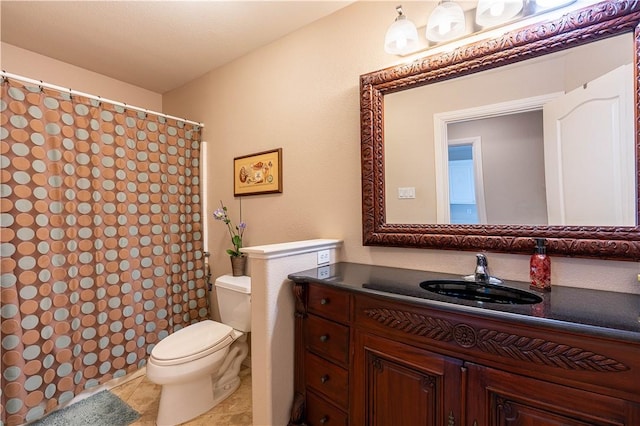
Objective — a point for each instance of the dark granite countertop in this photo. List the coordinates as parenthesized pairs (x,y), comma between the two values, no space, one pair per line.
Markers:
(603,313)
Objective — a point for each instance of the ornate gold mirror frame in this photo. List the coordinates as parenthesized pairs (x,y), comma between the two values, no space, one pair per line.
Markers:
(586,25)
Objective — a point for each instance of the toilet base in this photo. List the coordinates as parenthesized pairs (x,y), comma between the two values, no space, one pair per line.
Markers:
(181,402)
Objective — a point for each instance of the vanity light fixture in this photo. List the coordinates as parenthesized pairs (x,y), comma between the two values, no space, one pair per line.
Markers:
(446,22)
(546,4)
(402,35)
(495,12)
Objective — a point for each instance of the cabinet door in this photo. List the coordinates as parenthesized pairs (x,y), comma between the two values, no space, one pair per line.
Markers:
(397,384)
(499,398)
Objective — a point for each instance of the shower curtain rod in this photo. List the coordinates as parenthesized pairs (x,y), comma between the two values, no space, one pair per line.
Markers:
(40,83)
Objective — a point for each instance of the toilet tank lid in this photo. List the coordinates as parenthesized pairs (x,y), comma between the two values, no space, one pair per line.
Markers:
(240,284)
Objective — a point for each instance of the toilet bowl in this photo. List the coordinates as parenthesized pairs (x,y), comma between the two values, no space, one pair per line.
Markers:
(198,365)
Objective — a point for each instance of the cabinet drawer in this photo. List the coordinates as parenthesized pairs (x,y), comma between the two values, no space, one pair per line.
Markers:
(328,302)
(322,413)
(327,378)
(328,339)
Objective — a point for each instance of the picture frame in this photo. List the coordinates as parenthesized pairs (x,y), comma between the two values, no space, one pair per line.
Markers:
(259,173)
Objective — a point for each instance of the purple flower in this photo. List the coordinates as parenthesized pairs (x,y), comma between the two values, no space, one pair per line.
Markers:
(234,232)
(219,214)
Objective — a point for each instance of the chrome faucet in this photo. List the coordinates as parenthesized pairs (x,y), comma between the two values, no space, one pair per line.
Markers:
(481,274)
(482,269)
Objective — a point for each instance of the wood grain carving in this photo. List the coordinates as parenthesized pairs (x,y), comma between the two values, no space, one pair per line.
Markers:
(522,348)
(576,28)
(299,292)
(428,383)
(298,410)
(505,411)
(376,363)
(540,351)
(412,323)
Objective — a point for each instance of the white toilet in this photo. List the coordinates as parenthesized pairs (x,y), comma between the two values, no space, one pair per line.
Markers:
(198,365)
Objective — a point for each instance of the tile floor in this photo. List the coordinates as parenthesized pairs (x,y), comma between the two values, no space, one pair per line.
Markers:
(144,396)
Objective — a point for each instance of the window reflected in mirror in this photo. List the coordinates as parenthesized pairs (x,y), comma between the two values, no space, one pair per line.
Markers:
(464,187)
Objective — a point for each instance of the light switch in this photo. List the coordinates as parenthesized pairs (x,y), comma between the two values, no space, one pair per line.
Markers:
(406,192)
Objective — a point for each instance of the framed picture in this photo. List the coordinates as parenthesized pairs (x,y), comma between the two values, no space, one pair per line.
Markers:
(259,173)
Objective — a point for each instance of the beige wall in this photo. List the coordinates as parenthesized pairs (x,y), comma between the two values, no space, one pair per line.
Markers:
(25,63)
(301,93)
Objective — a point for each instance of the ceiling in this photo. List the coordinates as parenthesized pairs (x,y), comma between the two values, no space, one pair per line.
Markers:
(157,45)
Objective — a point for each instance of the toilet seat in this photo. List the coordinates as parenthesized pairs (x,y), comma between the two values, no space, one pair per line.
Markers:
(192,342)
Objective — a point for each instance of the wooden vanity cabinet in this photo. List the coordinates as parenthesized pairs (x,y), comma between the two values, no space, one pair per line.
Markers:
(322,356)
(407,364)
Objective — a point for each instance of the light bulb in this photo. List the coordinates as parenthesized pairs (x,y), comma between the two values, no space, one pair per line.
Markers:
(444,27)
(497,8)
(490,13)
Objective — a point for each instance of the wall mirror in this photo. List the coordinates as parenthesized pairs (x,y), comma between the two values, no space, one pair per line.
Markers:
(510,151)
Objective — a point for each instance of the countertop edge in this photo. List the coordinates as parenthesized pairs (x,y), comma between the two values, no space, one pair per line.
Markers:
(556,324)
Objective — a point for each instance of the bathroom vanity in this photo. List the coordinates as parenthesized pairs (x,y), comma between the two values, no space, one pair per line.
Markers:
(372,347)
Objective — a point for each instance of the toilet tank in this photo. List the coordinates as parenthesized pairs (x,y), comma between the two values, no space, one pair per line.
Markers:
(234,301)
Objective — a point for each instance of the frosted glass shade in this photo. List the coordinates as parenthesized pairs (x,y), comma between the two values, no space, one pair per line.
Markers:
(495,12)
(401,37)
(446,22)
(546,4)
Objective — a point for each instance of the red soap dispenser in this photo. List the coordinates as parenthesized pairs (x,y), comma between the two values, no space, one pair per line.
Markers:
(540,267)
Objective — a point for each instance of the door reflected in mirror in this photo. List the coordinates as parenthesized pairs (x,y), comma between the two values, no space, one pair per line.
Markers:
(548,141)
(466,181)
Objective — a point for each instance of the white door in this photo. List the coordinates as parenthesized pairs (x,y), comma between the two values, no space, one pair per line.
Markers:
(462,188)
(462,192)
(589,153)
(460,182)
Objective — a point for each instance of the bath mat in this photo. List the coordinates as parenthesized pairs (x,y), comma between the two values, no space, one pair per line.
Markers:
(101,409)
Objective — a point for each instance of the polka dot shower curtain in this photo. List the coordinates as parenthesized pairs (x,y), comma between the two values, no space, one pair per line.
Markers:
(100,244)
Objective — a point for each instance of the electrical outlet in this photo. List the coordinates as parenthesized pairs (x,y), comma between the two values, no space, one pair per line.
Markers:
(323,257)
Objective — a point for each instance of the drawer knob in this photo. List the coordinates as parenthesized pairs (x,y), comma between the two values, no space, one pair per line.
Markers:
(324,378)
(324,301)
(324,420)
(324,338)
